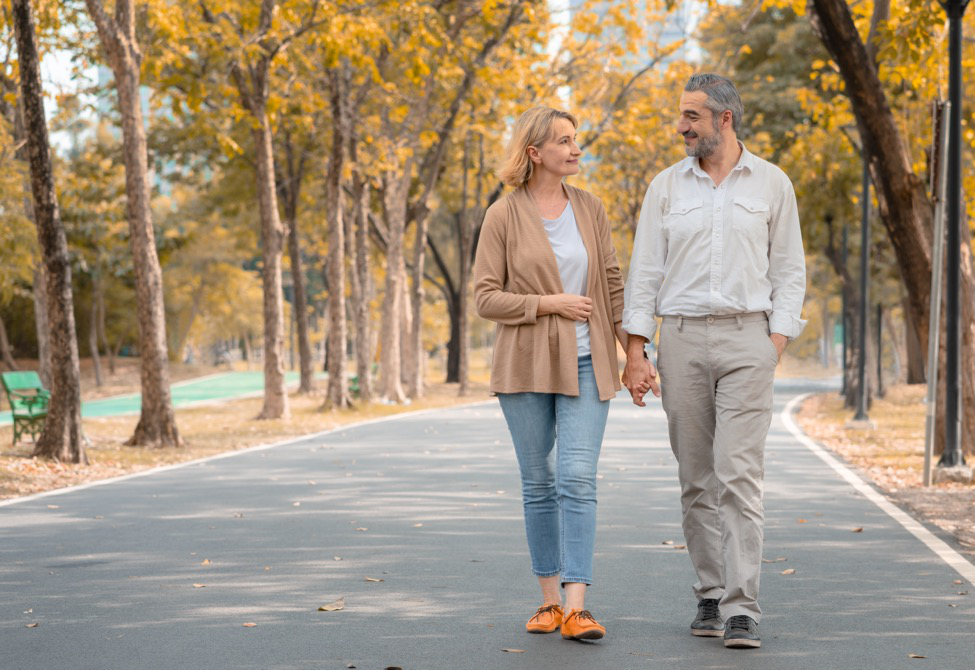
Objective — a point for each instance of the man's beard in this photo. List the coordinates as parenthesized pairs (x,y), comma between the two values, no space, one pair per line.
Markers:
(705,146)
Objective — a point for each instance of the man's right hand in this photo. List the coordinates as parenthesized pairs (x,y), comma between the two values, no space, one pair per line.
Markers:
(569,305)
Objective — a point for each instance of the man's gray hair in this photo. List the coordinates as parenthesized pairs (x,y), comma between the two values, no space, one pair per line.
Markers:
(722,95)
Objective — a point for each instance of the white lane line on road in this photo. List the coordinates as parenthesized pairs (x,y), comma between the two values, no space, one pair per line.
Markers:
(932,541)
(231,454)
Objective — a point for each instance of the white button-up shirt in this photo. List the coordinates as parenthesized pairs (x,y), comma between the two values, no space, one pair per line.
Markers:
(702,249)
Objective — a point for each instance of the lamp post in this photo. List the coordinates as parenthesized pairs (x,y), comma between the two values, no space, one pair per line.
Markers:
(844,319)
(860,419)
(952,455)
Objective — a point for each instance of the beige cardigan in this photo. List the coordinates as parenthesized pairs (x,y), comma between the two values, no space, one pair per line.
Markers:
(515,266)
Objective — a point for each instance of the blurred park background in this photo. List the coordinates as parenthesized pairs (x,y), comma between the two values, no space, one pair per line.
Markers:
(297,186)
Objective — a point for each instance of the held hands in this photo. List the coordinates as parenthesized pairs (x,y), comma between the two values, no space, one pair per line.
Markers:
(639,377)
(574,307)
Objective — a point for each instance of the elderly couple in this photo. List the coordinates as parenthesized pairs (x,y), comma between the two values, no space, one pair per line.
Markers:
(718,257)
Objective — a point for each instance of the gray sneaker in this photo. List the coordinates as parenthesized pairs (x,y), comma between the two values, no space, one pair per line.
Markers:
(708,622)
(742,633)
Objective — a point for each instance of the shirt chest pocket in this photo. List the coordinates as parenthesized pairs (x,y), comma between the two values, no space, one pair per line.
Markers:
(750,218)
(683,220)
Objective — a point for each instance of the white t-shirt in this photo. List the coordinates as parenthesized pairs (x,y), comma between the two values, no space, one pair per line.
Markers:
(573,260)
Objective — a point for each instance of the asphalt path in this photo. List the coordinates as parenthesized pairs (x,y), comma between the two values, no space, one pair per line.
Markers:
(416,523)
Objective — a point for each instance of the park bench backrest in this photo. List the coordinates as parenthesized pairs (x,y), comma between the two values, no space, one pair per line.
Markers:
(19,381)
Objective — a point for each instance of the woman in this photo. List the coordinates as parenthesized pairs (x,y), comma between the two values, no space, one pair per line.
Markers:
(546,272)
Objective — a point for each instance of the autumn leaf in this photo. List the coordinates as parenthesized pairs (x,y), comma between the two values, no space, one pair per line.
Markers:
(54,507)
(916,656)
(514,651)
(418,525)
(858,530)
(199,586)
(333,607)
(802,521)
(33,625)
(788,571)
(667,542)
(374,579)
(336,558)
(296,504)
(249,624)
(362,529)
(206,561)
(680,546)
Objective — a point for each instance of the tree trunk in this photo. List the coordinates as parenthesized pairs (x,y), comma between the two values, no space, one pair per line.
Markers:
(338,387)
(417,360)
(916,356)
(290,189)
(272,236)
(96,360)
(8,357)
(157,423)
(109,353)
(363,329)
(390,364)
(61,438)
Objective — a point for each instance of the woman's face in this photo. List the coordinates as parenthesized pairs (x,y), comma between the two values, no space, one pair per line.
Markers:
(560,153)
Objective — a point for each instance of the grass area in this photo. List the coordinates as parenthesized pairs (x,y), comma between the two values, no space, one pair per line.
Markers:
(207,430)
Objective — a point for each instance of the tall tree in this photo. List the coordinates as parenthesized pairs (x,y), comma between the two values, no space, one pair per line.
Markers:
(61,438)
(157,422)
(250,72)
(904,205)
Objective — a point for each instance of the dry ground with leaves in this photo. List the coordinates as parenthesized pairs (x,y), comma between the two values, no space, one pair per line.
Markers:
(207,430)
(892,456)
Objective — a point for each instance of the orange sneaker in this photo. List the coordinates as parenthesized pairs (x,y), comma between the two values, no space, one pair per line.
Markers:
(580,625)
(547,618)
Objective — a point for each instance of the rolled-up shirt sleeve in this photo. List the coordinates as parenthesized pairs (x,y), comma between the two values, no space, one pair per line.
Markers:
(490,275)
(646,271)
(787,266)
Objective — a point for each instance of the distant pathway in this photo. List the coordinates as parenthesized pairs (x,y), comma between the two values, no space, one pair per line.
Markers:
(215,387)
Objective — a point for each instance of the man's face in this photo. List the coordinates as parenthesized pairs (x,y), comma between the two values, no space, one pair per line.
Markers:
(698,124)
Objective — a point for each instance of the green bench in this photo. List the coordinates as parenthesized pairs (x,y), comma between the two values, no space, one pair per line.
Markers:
(28,402)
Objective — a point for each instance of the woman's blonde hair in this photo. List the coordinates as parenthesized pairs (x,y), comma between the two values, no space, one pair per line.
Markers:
(532,129)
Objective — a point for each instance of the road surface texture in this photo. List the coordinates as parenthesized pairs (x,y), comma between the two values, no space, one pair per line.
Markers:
(416,523)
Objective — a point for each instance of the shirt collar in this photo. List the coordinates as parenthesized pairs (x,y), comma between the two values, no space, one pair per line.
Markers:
(745,161)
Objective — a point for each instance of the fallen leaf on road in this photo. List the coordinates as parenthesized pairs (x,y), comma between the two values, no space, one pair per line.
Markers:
(952,605)
(267,567)
(788,571)
(312,482)
(802,521)
(362,529)
(238,515)
(418,525)
(54,507)
(667,542)
(958,581)
(249,624)
(333,607)
(916,656)
(780,559)
(206,561)
(296,504)
(350,665)
(32,625)
(199,586)
(514,651)
(374,579)
(336,558)
(963,593)
(858,530)
(680,546)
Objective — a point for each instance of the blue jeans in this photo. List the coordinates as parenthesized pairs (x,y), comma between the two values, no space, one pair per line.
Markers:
(558,486)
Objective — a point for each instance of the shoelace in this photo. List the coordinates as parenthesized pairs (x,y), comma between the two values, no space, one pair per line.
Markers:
(710,609)
(584,614)
(740,621)
(544,609)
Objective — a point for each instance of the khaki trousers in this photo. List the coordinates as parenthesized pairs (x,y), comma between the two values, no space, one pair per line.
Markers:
(716,382)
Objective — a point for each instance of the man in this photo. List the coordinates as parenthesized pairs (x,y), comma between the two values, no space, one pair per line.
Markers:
(718,255)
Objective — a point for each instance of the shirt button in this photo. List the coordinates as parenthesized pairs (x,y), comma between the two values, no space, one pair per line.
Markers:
(717,209)
(710,319)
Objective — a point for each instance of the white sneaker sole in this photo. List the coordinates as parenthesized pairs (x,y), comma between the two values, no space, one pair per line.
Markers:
(743,644)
